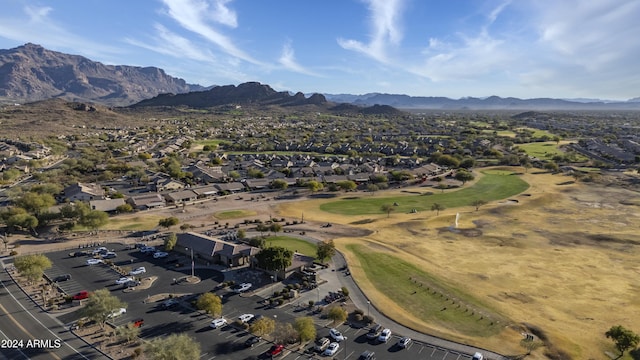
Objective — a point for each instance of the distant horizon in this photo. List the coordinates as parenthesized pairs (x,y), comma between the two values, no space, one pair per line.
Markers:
(569,49)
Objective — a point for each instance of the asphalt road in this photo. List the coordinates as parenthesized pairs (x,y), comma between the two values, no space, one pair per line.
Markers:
(27,332)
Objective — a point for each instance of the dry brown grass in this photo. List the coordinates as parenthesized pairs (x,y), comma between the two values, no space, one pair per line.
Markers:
(563,259)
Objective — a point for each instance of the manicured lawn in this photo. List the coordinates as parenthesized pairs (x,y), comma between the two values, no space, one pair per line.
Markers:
(494,185)
(146,222)
(232,214)
(541,150)
(293,244)
(429,299)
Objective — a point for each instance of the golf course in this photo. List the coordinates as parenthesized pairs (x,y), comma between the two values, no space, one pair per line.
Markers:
(532,252)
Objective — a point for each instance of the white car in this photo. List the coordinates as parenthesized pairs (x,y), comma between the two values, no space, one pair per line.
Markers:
(117,312)
(337,335)
(242,287)
(477,356)
(138,271)
(160,254)
(123,280)
(245,317)
(94,261)
(216,323)
(99,250)
(404,342)
(332,349)
(147,249)
(385,335)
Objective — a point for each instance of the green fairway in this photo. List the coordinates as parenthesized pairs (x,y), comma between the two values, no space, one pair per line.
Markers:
(494,185)
(541,150)
(429,299)
(293,244)
(232,214)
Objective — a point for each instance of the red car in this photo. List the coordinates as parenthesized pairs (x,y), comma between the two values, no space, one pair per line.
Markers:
(138,323)
(81,295)
(275,350)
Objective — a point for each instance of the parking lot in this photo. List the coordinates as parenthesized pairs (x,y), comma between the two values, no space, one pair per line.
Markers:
(222,343)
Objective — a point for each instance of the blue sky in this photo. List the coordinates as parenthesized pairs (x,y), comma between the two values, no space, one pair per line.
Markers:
(520,48)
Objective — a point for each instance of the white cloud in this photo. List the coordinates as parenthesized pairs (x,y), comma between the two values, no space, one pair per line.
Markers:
(172,44)
(38,27)
(288,60)
(386,29)
(193,15)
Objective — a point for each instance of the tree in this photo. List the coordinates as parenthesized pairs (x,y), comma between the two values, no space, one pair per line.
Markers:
(552,167)
(263,326)
(373,188)
(168,222)
(623,338)
(314,186)
(242,233)
(279,184)
(32,266)
(127,332)
(34,203)
(442,186)
(325,250)
(347,185)
(388,208)
(173,347)
(210,303)
(306,328)
(124,208)
(94,219)
(285,333)
(337,314)
(275,228)
(274,258)
(170,241)
(100,305)
(478,203)
(437,207)
(464,176)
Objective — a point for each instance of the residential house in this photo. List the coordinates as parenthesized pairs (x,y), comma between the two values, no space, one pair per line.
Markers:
(83,192)
(180,197)
(146,201)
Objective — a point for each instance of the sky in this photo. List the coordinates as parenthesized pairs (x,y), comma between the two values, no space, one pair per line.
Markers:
(453,48)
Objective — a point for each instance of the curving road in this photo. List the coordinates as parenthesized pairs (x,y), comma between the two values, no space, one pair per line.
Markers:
(27,332)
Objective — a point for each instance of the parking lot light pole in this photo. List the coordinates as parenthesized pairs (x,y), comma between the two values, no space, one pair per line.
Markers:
(192,263)
(368,305)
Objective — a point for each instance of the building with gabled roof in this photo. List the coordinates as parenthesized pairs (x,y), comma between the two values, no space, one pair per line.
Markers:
(215,250)
(83,192)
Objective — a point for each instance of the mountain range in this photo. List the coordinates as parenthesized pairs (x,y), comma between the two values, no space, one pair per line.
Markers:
(31,73)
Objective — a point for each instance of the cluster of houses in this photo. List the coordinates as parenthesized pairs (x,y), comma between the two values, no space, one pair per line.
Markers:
(16,153)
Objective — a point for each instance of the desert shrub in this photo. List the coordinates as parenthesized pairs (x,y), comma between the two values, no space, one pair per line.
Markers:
(358,312)
(368,319)
(13,253)
(357,317)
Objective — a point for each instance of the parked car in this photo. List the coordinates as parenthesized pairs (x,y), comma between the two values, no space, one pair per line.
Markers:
(123,280)
(81,295)
(385,335)
(275,350)
(404,342)
(160,254)
(332,349)
(60,278)
(367,355)
(147,249)
(138,271)
(242,287)
(216,323)
(138,322)
(321,344)
(477,356)
(245,318)
(79,253)
(99,250)
(255,318)
(336,335)
(117,312)
(252,341)
(94,261)
(132,283)
(374,332)
(109,255)
(169,303)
